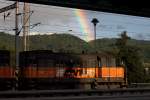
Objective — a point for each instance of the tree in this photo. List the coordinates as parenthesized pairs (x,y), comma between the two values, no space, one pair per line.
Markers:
(131,57)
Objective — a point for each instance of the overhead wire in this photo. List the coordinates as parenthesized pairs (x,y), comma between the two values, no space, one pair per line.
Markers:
(102,30)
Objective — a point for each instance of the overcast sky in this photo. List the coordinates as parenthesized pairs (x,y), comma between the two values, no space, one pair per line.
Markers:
(62,20)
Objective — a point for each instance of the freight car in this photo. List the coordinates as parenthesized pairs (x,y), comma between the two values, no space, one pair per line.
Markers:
(43,69)
(7,77)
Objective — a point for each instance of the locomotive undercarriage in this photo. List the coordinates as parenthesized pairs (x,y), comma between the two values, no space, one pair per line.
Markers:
(7,83)
(72,83)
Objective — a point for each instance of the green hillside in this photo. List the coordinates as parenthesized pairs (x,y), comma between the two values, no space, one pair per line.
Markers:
(58,42)
(105,45)
(6,41)
(70,43)
(108,45)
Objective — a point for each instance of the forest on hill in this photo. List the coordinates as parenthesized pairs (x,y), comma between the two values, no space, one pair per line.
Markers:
(70,43)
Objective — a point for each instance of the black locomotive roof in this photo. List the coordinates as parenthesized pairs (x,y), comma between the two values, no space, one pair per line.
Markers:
(36,51)
(46,53)
(4,51)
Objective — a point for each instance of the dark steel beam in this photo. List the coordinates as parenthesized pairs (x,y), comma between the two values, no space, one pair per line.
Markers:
(128,7)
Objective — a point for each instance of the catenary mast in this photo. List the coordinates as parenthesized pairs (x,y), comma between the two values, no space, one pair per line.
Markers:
(26,22)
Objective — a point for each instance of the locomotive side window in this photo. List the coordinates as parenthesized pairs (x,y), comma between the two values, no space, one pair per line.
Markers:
(50,63)
(4,60)
(45,63)
(103,61)
(70,63)
(113,62)
(84,63)
(110,62)
(31,61)
(91,62)
(99,61)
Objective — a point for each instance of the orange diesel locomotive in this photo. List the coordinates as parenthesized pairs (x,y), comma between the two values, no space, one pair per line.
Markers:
(7,77)
(43,69)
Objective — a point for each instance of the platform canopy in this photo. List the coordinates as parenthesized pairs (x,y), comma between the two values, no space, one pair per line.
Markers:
(127,7)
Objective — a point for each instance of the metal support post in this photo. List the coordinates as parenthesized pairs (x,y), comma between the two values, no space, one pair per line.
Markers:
(16,45)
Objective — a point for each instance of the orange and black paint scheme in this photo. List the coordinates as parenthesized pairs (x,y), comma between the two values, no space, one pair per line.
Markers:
(7,77)
(44,69)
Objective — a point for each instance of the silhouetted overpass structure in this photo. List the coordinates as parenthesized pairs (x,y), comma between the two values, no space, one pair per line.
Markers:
(128,7)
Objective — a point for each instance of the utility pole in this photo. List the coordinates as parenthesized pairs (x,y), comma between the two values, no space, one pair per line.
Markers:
(16,44)
(26,21)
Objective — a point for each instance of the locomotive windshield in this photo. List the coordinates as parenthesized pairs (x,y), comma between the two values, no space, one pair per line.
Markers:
(4,58)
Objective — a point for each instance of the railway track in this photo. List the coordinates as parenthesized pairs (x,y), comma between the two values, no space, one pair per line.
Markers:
(74,93)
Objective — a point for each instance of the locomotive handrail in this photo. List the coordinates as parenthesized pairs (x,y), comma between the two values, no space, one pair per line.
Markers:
(53,93)
(140,84)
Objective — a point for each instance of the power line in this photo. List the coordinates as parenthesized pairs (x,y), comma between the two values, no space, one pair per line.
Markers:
(110,30)
(102,30)
(67,26)
(84,34)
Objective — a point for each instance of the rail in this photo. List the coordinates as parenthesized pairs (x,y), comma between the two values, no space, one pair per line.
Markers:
(62,93)
(140,85)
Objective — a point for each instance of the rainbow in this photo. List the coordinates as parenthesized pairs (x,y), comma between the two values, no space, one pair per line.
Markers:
(84,24)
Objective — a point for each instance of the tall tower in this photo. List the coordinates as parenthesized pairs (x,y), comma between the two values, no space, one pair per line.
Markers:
(26,22)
